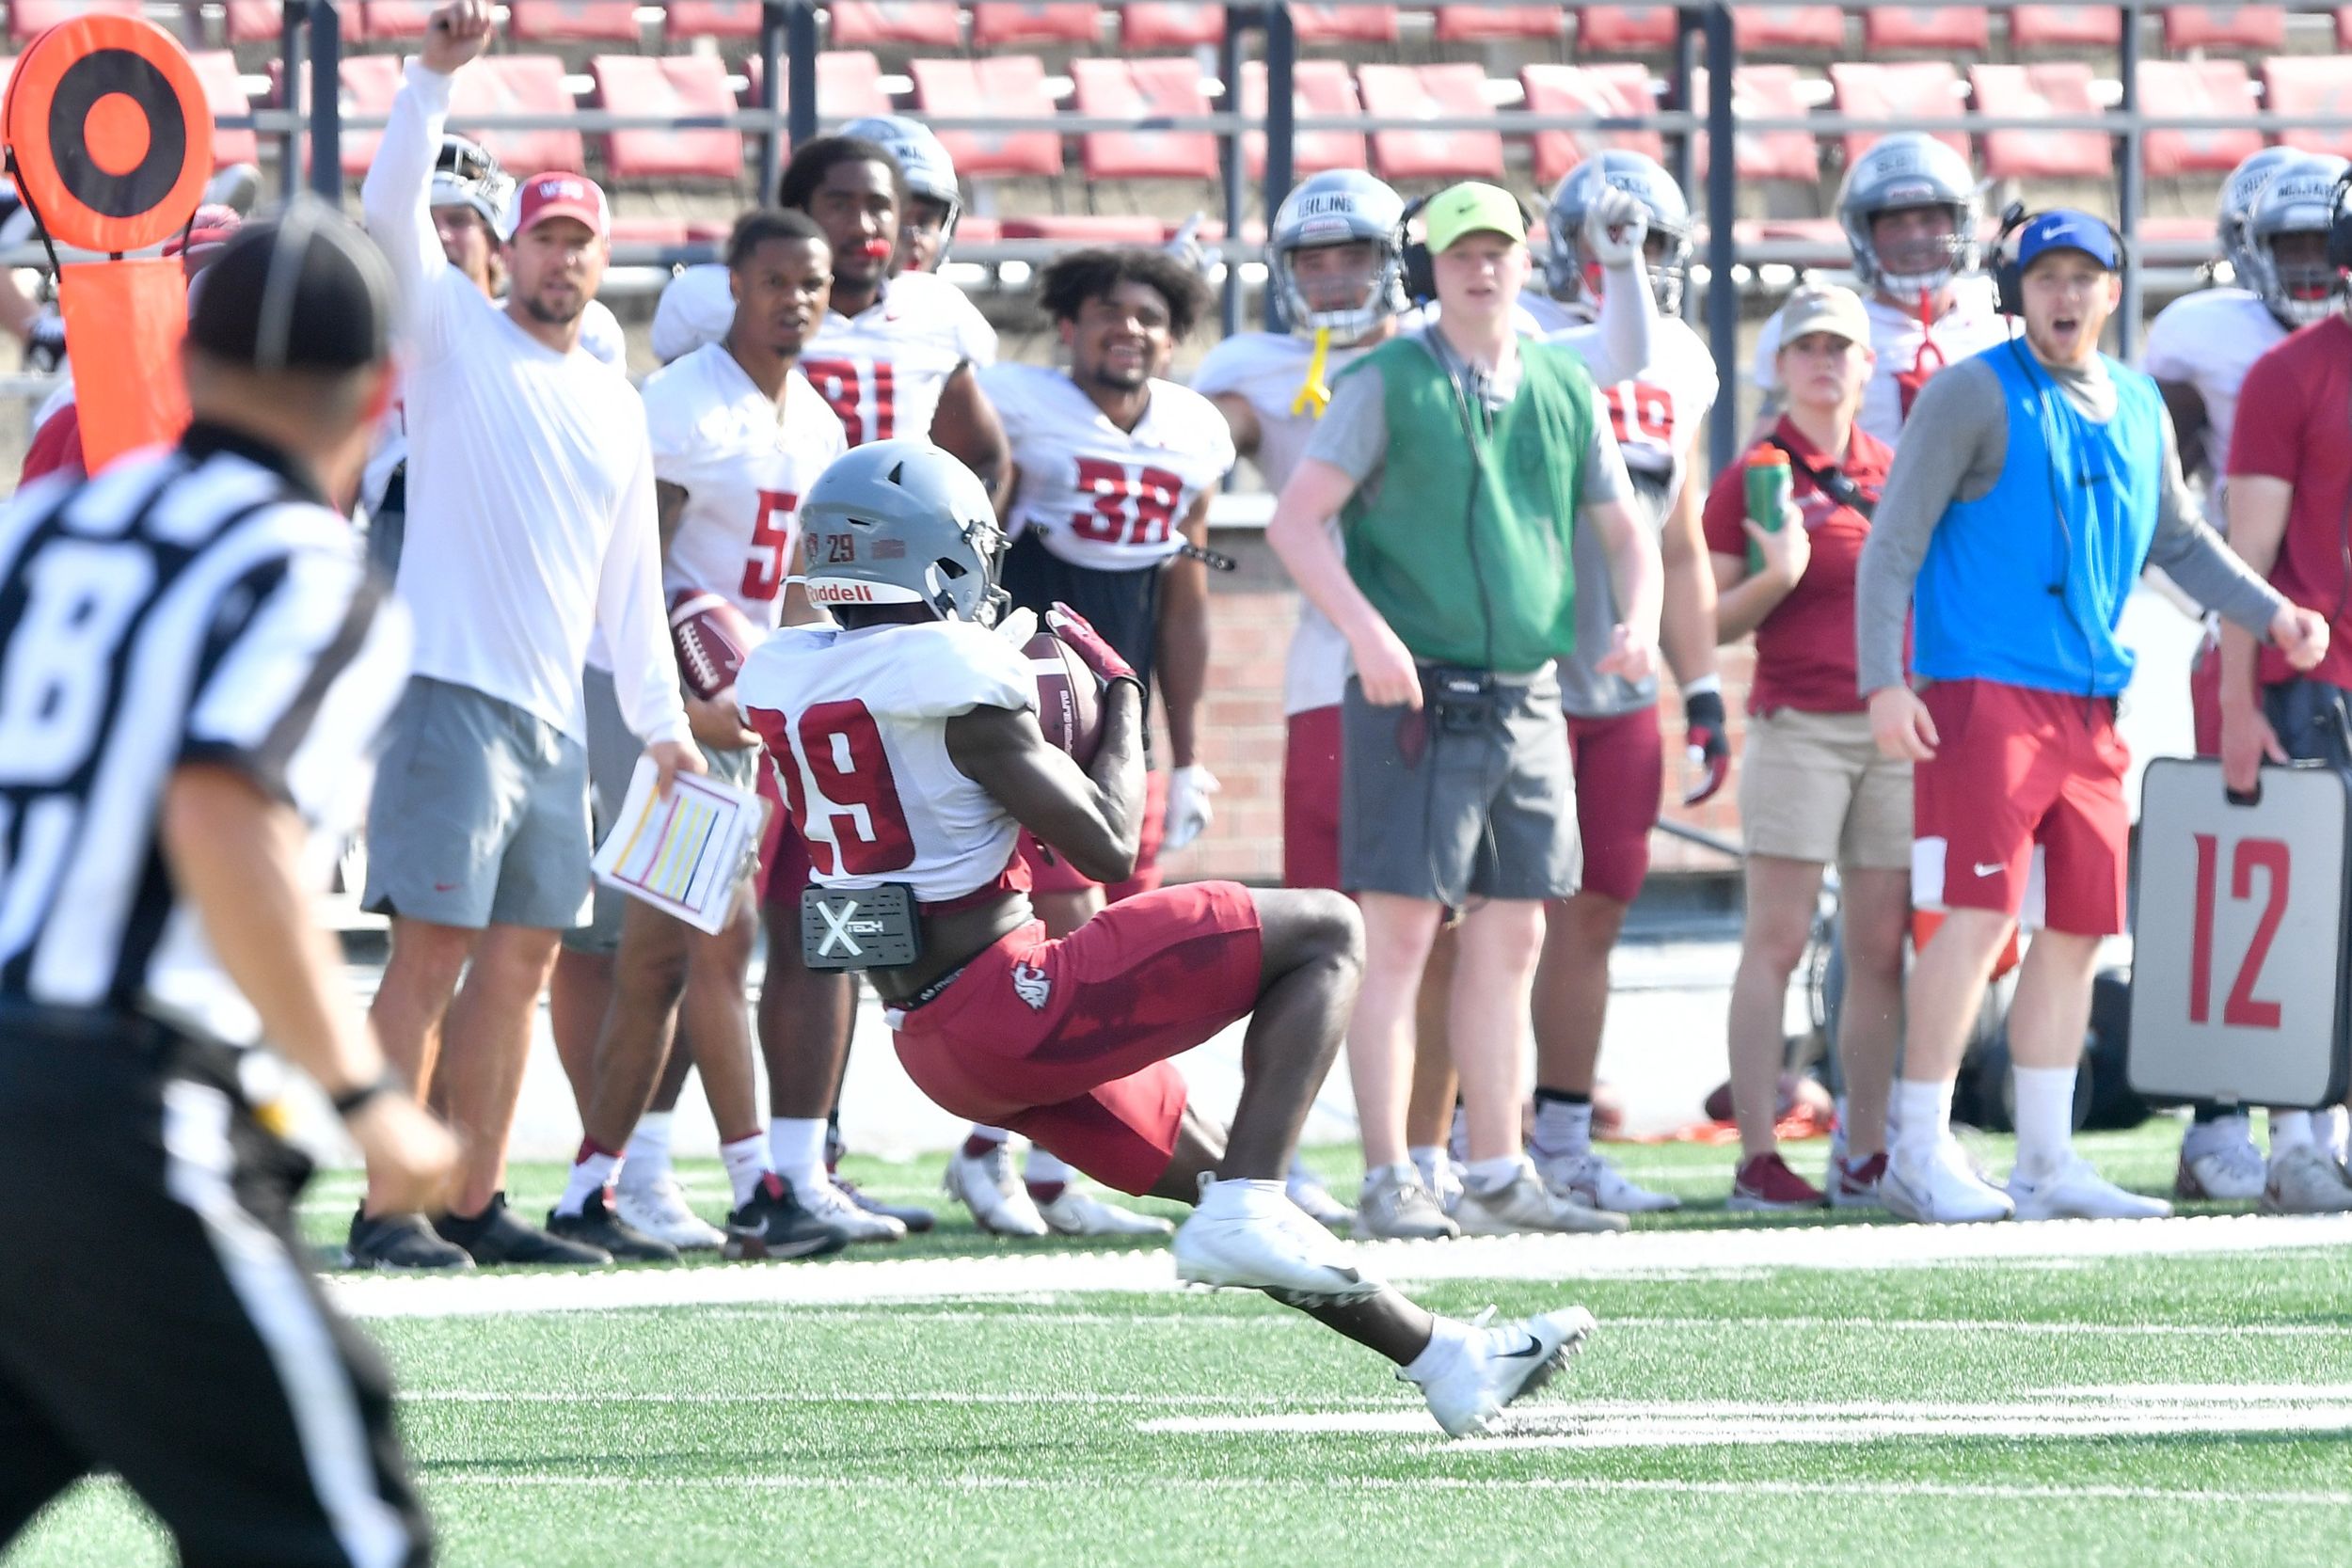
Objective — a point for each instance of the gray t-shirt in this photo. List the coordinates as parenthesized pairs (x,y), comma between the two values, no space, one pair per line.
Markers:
(1967,411)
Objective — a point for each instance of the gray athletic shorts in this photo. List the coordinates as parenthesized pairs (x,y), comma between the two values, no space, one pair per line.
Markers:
(1467,797)
(613,753)
(480,816)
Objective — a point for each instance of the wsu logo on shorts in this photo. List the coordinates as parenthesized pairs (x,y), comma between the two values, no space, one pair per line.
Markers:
(1030,984)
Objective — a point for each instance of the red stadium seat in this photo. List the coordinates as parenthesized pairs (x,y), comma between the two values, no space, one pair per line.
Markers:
(1960,29)
(1317,87)
(257,20)
(1618,88)
(1171,26)
(675,86)
(2318,85)
(563,21)
(711,18)
(395,18)
(849,85)
(2249,27)
(1624,29)
(1484,24)
(1895,91)
(518,84)
(2065,28)
(2025,91)
(1765,91)
(1143,89)
(924,23)
(217,70)
(29,18)
(998,23)
(1781,29)
(2205,89)
(1344,23)
(1009,85)
(650,230)
(1405,93)
(1085,229)
(368,84)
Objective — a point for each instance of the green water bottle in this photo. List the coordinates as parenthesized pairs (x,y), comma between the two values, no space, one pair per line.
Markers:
(1771,496)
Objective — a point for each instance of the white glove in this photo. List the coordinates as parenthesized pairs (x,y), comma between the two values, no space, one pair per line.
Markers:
(1185,246)
(1188,810)
(1615,226)
(1017,627)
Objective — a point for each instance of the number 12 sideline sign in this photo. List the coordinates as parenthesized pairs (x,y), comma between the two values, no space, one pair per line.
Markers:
(2238,984)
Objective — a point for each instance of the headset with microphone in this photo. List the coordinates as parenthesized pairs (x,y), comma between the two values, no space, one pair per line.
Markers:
(1419,274)
(2009,278)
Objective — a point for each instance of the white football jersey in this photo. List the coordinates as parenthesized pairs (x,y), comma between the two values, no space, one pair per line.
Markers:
(1654,414)
(855,724)
(881,369)
(1099,495)
(2210,339)
(1969,328)
(744,464)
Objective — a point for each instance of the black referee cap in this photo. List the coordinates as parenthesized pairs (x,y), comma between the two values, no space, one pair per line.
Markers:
(305,291)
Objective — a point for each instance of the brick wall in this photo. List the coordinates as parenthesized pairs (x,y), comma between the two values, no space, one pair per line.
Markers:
(1252,610)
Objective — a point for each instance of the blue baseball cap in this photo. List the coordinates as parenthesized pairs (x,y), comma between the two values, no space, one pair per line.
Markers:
(2065,228)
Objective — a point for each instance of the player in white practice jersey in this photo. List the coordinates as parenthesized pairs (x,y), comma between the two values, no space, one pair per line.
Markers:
(908,738)
(2275,209)
(1909,212)
(927,220)
(1114,468)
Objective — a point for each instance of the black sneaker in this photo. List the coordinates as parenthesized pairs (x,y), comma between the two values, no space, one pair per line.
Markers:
(398,1243)
(773,1225)
(916,1220)
(597,1225)
(496,1236)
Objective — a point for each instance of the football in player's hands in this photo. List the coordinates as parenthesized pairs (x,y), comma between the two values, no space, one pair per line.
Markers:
(713,639)
(1069,697)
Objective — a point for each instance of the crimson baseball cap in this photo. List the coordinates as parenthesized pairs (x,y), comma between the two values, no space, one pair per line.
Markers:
(562,196)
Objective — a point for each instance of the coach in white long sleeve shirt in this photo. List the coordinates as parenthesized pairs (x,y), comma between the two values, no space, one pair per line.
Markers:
(531,524)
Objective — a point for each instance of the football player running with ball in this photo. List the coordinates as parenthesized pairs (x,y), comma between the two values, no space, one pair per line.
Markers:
(908,740)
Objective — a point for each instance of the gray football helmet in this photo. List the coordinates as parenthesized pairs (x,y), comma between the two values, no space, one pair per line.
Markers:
(1908,168)
(903,522)
(1566,265)
(2238,200)
(922,161)
(467,174)
(1340,206)
(2298,198)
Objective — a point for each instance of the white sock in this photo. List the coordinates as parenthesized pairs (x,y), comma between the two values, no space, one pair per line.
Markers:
(1374,1173)
(1489,1176)
(1042,1167)
(2046,1117)
(2290,1129)
(746,1160)
(798,1144)
(2332,1127)
(1425,1158)
(591,1174)
(1300,1173)
(1922,1117)
(1446,1337)
(1563,1131)
(646,1159)
(1241,1195)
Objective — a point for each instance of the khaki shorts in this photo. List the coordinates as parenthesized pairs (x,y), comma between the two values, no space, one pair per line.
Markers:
(1814,787)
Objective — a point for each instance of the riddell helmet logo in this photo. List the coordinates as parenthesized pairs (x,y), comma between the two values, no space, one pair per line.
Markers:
(840,592)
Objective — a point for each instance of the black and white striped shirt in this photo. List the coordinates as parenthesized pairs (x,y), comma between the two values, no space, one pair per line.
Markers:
(199,606)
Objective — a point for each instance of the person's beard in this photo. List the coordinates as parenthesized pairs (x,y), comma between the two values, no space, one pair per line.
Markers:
(546,316)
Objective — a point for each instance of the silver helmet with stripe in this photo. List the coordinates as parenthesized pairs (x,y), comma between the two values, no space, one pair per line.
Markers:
(1569,269)
(903,522)
(1908,170)
(1340,206)
(2299,198)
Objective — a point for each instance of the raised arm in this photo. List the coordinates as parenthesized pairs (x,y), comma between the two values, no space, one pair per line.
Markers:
(396,195)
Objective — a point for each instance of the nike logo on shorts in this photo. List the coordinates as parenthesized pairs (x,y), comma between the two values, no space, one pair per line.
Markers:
(1988,868)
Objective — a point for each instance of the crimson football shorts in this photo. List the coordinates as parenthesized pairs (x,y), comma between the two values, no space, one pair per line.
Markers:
(1068,1042)
(1310,798)
(1620,766)
(2017,771)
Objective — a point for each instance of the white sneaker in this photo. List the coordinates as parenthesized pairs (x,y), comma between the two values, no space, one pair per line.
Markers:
(1525,1204)
(1491,1367)
(2077,1191)
(1000,1204)
(2304,1180)
(1079,1213)
(2219,1168)
(1251,1236)
(1395,1207)
(1321,1206)
(658,1208)
(834,1207)
(1597,1184)
(1941,1189)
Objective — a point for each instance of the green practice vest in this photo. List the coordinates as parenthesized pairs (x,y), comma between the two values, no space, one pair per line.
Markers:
(1464,549)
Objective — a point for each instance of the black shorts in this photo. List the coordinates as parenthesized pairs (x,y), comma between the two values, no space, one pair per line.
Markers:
(159,1320)
(1123,606)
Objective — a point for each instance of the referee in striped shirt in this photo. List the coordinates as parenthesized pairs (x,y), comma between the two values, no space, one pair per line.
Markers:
(193,667)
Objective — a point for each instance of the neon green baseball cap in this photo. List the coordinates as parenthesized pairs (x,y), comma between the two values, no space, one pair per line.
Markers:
(1470,208)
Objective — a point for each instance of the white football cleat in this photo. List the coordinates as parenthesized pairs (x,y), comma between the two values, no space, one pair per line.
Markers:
(1596,1182)
(658,1209)
(2221,1169)
(1491,1366)
(1393,1206)
(1316,1199)
(2077,1191)
(2304,1180)
(1525,1205)
(829,1203)
(1248,1235)
(1079,1213)
(1000,1204)
(1941,1189)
